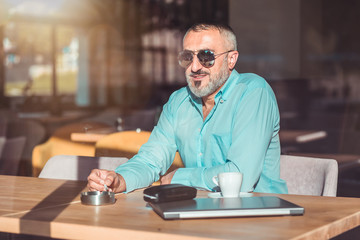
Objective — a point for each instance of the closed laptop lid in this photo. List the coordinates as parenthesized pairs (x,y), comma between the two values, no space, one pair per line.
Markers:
(226,207)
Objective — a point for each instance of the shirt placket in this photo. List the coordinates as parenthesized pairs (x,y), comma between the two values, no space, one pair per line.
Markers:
(202,131)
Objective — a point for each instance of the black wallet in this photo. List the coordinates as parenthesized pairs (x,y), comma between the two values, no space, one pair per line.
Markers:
(169,193)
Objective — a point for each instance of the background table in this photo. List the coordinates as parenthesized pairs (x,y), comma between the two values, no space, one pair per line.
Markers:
(52,208)
(300,136)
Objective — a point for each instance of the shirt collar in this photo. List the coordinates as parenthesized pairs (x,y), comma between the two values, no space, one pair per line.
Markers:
(226,90)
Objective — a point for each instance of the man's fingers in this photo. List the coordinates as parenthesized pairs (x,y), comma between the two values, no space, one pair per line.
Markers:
(93,186)
(166,179)
(109,180)
(95,176)
(99,177)
(96,180)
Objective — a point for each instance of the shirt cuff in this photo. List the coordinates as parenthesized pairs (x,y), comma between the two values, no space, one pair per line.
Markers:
(129,180)
(190,177)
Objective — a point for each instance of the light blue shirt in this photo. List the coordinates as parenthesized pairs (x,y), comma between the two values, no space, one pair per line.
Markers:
(239,134)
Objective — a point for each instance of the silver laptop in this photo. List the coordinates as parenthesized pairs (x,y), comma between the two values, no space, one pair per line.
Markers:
(226,207)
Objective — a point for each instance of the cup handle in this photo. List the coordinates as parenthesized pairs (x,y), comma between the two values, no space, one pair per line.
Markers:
(215,180)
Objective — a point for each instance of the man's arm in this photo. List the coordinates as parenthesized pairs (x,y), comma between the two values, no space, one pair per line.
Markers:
(155,156)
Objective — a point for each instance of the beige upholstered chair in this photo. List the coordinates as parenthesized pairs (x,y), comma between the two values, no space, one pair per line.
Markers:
(71,167)
(309,175)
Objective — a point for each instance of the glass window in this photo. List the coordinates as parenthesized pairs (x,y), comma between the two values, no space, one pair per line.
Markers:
(27,59)
(67,60)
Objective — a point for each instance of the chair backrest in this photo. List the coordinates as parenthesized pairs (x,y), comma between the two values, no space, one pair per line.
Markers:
(121,144)
(71,167)
(309,175)
(35,134)
(10,157)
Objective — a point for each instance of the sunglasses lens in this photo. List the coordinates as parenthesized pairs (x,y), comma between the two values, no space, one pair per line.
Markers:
(206,58)
(185,58)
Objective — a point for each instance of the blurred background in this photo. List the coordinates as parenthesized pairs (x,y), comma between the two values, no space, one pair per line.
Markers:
(115,62)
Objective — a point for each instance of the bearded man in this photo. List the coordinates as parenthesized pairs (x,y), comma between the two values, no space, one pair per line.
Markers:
(223,121)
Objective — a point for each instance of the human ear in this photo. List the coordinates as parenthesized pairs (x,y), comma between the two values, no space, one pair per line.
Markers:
(232,58)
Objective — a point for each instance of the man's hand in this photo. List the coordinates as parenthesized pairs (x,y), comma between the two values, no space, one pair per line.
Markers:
(166,179)
(113,180)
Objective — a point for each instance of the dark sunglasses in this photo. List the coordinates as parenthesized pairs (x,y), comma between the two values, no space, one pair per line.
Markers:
(206,57)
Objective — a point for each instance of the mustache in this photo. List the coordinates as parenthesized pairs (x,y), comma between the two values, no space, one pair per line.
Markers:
(198,73)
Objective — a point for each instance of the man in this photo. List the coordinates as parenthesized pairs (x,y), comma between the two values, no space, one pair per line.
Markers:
(222,121)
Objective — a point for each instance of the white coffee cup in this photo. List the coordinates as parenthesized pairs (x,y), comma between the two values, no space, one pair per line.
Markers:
(229,183)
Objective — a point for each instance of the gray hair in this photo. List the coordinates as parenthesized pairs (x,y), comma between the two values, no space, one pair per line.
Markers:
(225,31)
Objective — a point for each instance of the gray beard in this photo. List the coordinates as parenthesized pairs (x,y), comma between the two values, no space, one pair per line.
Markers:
(216,81)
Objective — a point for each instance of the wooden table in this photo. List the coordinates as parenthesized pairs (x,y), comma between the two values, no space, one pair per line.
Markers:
(91,136)
(52,208)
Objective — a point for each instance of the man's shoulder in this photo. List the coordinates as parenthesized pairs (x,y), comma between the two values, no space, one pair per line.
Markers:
(179,96)
(252,80)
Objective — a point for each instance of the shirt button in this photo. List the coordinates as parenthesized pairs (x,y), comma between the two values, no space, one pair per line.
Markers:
(221,101)
(200,154)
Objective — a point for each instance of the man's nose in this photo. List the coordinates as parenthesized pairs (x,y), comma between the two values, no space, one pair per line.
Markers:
(195,65)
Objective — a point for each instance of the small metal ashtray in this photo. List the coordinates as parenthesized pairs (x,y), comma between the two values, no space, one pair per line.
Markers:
(97,198)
